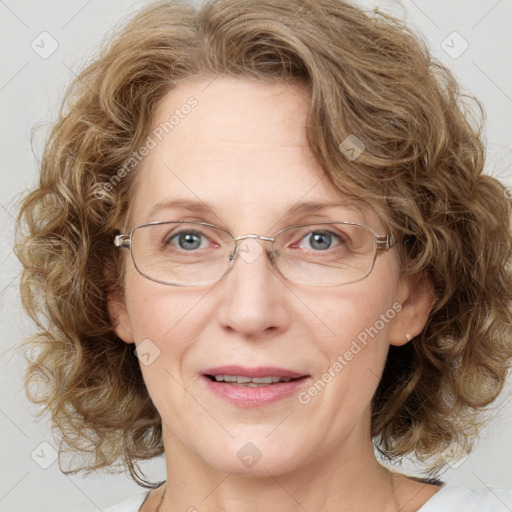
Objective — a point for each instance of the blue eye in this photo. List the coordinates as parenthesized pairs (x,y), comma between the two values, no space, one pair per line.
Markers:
(187,240)
(321,240)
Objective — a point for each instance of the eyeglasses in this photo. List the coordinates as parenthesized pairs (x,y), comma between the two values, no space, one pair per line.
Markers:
(183,253)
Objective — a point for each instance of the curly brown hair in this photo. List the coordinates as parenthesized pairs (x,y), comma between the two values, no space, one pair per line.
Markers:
(422,168)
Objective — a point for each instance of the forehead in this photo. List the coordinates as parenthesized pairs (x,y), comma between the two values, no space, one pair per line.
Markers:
(240,151)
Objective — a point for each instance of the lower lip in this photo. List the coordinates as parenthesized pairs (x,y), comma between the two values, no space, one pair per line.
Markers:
(243,396)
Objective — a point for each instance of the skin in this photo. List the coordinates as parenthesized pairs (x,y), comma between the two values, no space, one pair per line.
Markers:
(243,151)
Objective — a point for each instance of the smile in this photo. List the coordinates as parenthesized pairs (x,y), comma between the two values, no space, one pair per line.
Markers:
(248,381)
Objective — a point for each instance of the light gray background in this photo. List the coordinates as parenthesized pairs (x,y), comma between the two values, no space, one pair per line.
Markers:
(30,91)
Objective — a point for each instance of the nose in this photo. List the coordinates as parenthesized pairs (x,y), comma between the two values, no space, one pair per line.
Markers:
(254,300)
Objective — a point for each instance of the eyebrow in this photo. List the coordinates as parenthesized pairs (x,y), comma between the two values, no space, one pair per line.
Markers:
(203,208)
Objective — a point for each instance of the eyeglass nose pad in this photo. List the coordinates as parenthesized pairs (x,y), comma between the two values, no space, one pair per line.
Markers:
(272,254)
(233,255)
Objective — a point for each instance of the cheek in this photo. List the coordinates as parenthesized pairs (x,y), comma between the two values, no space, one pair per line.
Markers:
(159,312)
(166,321)
(356,347)
(359,314)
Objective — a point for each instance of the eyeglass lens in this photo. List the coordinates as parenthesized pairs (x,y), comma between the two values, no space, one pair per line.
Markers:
(193,253)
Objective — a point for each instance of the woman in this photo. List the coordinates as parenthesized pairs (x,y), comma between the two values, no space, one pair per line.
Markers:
(266,247)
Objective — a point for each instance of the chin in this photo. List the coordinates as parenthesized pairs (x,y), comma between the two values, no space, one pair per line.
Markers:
(260,457)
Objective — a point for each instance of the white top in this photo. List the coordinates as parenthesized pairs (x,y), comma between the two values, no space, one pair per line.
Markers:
(450,498)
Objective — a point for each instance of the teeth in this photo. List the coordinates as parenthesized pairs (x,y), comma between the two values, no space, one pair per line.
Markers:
(225,378)
(251,382)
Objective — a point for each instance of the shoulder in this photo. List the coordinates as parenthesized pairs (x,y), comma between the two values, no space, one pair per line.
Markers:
(457,498)
(132,504)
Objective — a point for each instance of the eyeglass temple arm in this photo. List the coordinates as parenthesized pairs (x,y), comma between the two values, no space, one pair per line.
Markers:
(122,241)
(385,242)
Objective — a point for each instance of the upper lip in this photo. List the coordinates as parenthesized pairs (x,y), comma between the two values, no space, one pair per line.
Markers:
(259,371)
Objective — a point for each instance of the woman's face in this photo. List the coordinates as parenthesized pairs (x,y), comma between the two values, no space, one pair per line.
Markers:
(242,152)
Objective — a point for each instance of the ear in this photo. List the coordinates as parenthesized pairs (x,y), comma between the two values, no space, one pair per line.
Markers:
(416,295)
(120,318)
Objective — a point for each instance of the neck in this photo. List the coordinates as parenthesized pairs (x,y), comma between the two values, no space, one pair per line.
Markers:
(347,478)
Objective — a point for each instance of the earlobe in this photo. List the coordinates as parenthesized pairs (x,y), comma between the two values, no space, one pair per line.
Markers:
(417,299)
(120,318)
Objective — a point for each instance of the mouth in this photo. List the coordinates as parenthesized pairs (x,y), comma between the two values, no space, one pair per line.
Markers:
(252,387)
(252,376)
(251,382)
(249,388)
